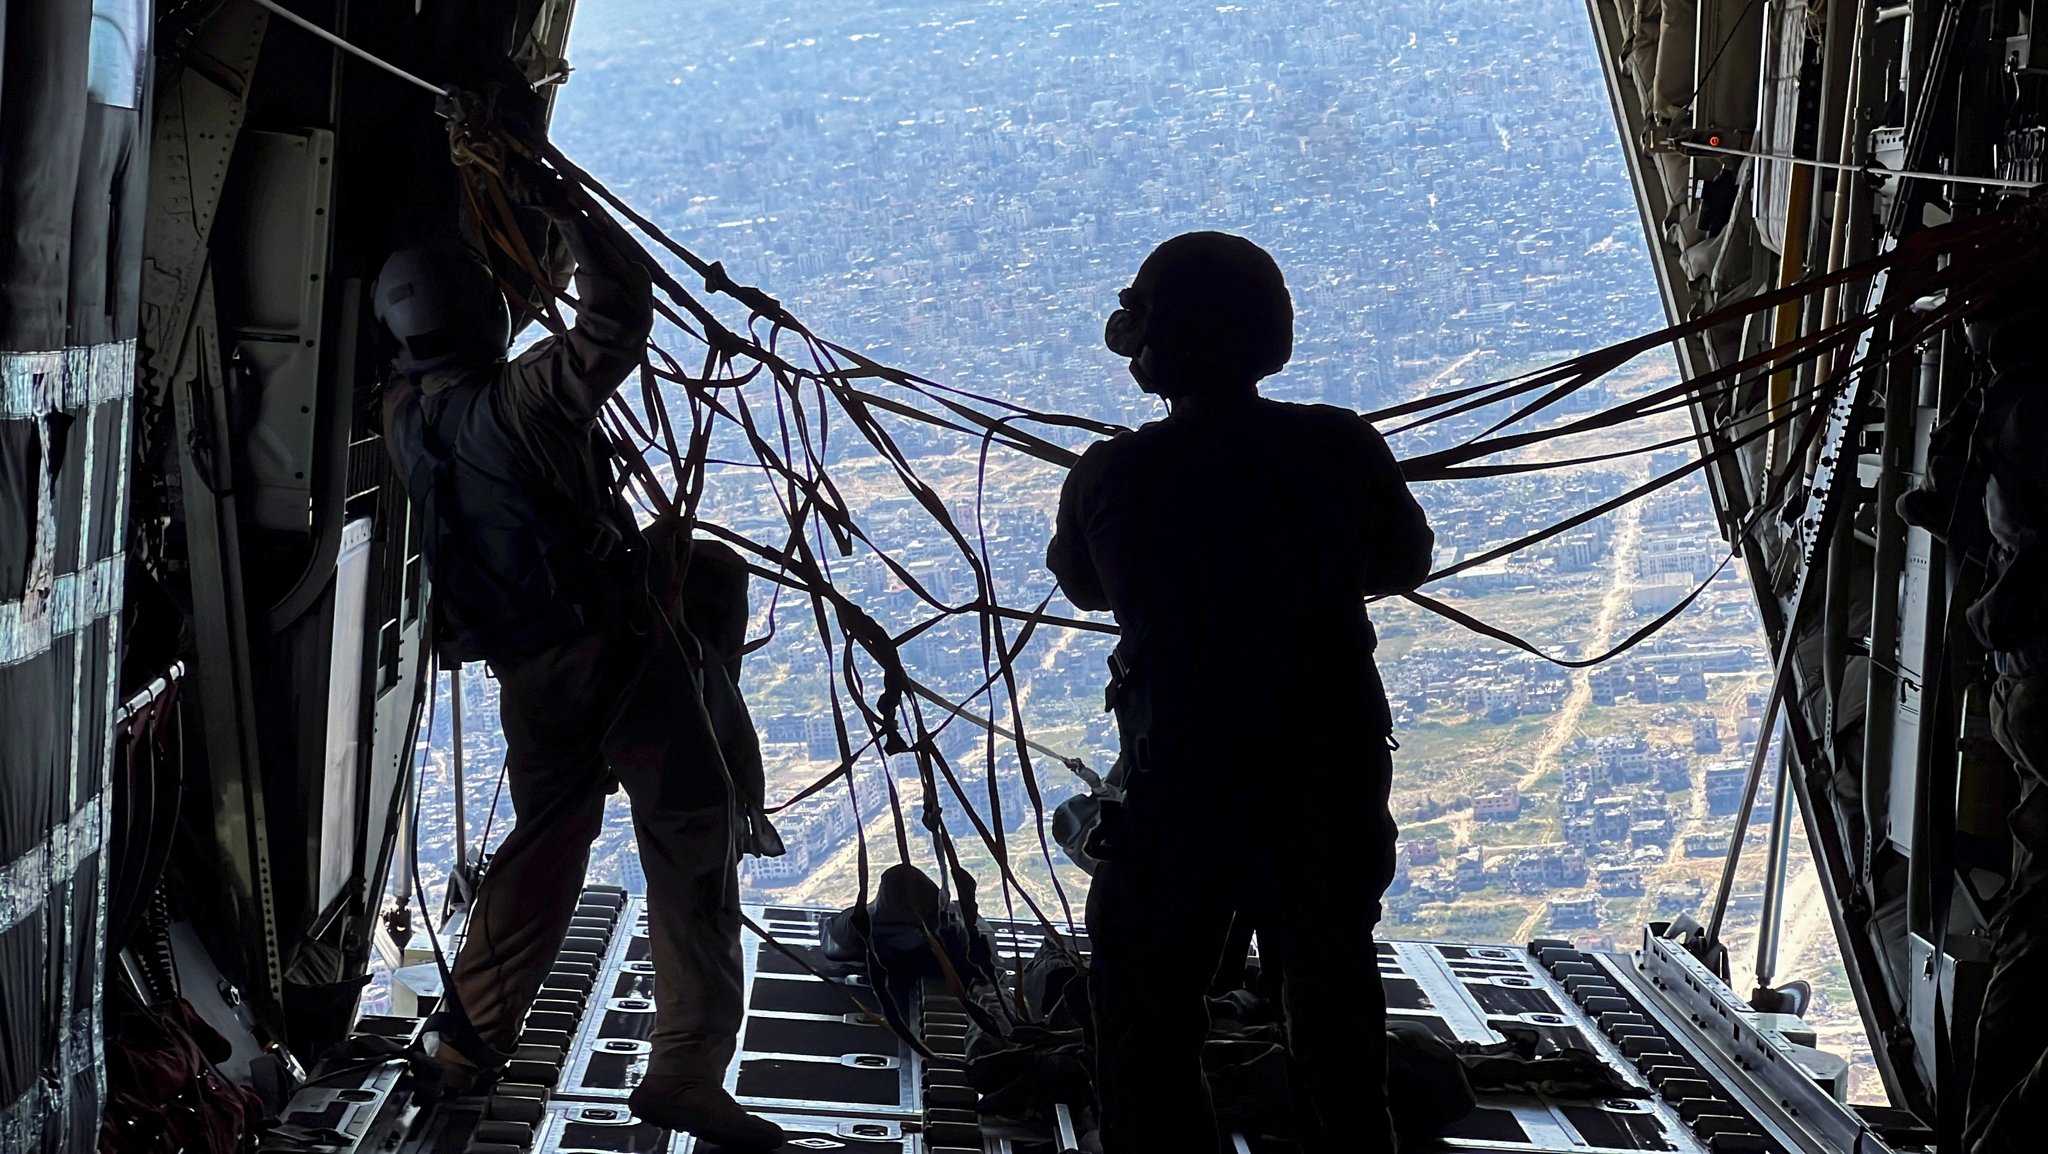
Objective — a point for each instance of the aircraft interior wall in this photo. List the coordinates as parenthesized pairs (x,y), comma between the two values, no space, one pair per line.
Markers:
(73,148)
(1867,125)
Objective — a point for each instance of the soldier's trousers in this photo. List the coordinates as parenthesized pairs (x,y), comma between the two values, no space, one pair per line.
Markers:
(1200,849)
(575,717)
(2009,1083)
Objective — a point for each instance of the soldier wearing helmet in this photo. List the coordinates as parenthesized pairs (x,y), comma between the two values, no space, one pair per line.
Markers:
(540,570)
(1236,541)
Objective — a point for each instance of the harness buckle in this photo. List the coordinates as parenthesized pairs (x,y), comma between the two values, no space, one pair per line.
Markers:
(1119,674)
(604,540)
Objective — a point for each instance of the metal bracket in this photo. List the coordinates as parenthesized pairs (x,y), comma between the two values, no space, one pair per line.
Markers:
(1722,1021)
(1674,137)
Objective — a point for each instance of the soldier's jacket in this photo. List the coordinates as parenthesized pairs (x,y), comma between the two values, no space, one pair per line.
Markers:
(1236,541)
(537,551)
(529,540)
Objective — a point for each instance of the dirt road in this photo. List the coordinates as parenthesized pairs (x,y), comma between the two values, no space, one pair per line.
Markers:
(1628,535)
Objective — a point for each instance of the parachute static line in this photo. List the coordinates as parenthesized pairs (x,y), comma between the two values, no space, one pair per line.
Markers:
(1871,169)
(280,10)
(790,440)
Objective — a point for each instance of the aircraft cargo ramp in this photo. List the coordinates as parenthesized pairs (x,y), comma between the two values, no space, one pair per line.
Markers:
(1716,1076)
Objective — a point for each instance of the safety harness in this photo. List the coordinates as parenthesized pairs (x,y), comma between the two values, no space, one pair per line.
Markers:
(516,565)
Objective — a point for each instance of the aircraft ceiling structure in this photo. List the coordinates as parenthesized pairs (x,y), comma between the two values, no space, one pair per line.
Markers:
(1902,792)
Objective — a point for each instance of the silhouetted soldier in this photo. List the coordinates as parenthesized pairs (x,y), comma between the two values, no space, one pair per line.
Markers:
(1991,499)
(598,641)
(1236,541)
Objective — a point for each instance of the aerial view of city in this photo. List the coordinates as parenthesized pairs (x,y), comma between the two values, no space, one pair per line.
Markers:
(958,188)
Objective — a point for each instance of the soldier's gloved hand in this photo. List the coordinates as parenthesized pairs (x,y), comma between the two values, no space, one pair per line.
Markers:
(529,184)
(511,102)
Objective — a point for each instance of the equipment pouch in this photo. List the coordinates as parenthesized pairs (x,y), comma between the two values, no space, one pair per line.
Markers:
(1122,666)
(1089,826)
(1103,840)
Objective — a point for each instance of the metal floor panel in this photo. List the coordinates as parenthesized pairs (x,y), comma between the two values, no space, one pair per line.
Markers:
(1463,992)
(810,1059)
(597,1128)
(807,1050)
(806,1045)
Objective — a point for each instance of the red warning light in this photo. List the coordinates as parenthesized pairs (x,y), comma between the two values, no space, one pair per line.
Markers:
(1714,141)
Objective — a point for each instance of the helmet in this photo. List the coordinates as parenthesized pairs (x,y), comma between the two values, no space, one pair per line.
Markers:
(441,303)
(1211,309)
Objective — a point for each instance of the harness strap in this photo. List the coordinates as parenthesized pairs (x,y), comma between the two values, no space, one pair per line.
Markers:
(515,616)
